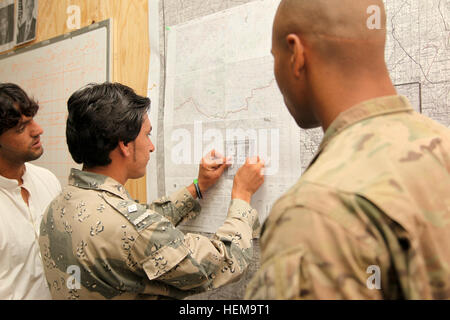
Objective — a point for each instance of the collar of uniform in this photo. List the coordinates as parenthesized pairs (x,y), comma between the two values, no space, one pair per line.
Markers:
(94,181)
(367,109)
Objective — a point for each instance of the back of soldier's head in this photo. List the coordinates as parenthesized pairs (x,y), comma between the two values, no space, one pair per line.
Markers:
(333,28)
(101,115)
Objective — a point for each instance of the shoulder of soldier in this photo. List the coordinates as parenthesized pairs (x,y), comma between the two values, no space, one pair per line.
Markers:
(65,194)
(398,131)
(314,199)
(138,215)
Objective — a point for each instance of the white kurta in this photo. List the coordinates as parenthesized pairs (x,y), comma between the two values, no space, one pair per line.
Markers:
(21,271)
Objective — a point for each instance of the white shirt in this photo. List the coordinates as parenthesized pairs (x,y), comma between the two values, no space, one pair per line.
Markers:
(21,270)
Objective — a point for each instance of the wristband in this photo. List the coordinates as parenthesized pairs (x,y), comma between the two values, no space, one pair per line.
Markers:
(197,189)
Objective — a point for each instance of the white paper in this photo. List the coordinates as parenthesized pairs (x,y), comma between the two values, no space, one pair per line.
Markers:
(220,82)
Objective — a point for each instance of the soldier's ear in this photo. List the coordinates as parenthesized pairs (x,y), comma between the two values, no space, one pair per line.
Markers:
(125,149)
(297,52)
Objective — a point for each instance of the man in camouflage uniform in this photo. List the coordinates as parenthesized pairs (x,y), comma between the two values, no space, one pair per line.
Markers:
(370,218)
(97,243)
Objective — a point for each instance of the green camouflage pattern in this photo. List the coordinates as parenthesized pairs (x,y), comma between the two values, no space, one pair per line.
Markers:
(124,250)
(376,194)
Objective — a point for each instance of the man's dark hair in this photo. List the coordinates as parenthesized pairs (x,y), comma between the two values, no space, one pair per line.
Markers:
(14,102)
(101,115)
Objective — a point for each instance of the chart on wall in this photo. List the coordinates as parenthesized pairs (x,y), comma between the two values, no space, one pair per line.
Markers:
(221,94)
(219,77)
(50,72)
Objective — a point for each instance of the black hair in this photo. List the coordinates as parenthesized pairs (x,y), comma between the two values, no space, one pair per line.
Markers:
(14,102)
(101,115)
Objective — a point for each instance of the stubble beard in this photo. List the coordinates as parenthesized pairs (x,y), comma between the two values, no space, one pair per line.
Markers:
(32,156)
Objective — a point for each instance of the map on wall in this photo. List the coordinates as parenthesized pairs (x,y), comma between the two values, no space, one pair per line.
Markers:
(219,77)
(221,94)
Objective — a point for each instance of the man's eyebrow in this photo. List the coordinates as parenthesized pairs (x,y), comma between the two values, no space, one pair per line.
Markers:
(24,123)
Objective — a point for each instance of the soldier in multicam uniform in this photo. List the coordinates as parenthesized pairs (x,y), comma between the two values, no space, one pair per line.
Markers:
(370,218)
(97,243)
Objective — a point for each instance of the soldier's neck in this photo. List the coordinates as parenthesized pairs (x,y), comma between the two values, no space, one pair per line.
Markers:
(111,171)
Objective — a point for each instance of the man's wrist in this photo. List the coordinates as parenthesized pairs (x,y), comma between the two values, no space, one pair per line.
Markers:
(192,191)
(245,196)
(197,189)
(202,186)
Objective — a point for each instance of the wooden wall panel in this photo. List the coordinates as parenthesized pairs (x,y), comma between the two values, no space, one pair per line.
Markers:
(131,50)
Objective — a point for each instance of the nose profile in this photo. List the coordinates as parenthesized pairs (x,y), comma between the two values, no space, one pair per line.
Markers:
(36,129)
(152,147)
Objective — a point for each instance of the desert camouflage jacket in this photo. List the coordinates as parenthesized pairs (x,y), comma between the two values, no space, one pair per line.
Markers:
(97,243)
(370,218)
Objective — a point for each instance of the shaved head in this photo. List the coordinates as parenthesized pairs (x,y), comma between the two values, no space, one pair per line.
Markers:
(330,21)
(320,43)
(345,19)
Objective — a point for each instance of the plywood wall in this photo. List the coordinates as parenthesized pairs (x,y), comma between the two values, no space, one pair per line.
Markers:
(131,51)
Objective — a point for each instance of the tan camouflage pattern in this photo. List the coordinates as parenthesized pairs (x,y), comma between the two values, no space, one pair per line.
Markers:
(376,194)
(125,250)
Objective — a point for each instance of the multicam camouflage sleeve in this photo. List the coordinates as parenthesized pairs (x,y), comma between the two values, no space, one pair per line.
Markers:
(297,265)
(369,217)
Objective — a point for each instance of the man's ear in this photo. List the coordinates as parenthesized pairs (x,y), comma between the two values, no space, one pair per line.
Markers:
(124,149)
(297,52)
